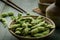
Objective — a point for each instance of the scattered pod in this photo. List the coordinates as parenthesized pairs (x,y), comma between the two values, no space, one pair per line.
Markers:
(10,14)
(3,15)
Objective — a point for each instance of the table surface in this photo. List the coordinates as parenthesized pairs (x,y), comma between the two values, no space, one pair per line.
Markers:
(27,5)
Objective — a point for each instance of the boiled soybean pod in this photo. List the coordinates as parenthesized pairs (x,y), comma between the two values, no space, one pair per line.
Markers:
(3,20)
(10,14)
(50,26)
(14,26)
(38,35)
(40,17)
(33,31)
(42,34)
(46,32)
(38,24)
(19,15)
(26,31)
(19,29)
(17,32)
(24,25)
(13,17)
(38,29)
(4,15)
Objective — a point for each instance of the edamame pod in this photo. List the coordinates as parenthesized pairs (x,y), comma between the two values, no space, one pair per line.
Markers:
(26,31)
(38,25)
(10,14)
(4,15)
(19,29)
(17,32)
(14,26)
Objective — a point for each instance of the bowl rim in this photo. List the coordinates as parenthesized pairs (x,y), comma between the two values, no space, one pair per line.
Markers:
(33,37)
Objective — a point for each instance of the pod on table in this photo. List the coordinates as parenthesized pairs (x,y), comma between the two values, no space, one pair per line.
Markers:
(10,14)
(3,15)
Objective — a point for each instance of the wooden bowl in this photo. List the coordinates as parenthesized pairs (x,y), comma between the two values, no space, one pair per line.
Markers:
(33,38)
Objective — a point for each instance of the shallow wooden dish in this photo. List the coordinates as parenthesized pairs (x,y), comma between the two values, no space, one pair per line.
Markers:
(34,38)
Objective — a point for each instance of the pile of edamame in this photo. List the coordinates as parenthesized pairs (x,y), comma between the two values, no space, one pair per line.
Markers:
(30,26)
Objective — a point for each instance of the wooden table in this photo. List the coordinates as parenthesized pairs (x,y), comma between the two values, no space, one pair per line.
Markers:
(27,5)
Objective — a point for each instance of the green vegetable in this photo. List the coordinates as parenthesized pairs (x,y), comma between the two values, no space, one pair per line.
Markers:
(36,30)
(4,15)
(10,14)
(13,17)
(14,26)
(42,34)
(26,31)
(46,32)
(18,29)
(18,32)
(19,15)
(41,23)
(38,35)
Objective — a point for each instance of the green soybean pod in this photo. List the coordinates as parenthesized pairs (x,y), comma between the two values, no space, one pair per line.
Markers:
(38,35)
(40,17)
(50,26)
(28,14)
(14,26)
(24,25)
(17,32)
(42,34)
(4,15)
(3,20)
(19,15)
(13,17)
(19,29)
(46,32)
(26,31)
(41,28)
(41,23)
(10,14)
(34,31)
(5,24)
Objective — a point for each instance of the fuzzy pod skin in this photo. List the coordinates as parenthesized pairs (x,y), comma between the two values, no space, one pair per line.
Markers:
(10,14)
(19,15)
(14,26)
(17,32)
(2,19)
(42,34)
(36,30)
(41,23)
(26,31)
(3,15)
(19,29)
